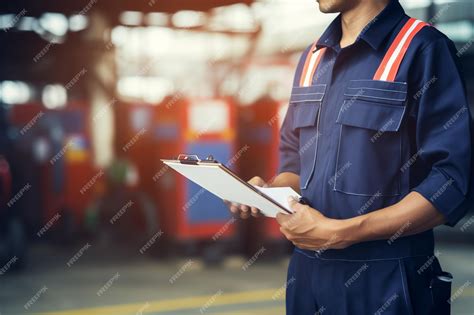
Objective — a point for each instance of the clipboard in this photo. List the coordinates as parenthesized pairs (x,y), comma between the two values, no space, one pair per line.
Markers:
(225,184)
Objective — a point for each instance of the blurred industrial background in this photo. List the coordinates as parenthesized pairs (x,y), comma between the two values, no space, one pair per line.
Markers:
(94,92)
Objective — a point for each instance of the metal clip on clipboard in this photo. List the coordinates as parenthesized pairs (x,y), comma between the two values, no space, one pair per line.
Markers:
(188,159)
(194,159)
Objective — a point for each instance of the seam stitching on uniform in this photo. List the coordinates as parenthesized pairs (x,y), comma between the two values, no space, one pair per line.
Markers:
(403,285)
(389,82)
(375,97)
(305,101)
(337,156)
(376,89)
(309,93)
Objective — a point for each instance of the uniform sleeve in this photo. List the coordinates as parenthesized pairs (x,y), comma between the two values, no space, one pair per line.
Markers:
(289,145)
(443,132)
(289,137)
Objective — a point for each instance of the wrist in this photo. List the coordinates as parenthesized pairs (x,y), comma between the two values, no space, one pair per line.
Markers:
(350,231)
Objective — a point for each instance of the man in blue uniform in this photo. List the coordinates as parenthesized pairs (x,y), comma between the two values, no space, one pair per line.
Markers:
(377,139)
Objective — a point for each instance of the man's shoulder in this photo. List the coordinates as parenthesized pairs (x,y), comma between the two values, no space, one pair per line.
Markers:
(428,35)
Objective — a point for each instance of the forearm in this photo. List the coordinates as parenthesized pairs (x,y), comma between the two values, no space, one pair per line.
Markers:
(286,179)
(413,214)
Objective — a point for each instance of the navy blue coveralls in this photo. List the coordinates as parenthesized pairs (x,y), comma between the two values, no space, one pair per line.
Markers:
(360,145)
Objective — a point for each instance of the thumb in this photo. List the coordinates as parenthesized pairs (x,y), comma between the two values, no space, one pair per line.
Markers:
(293,203)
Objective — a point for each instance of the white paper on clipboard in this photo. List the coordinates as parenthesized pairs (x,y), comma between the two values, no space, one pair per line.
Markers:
(225,185)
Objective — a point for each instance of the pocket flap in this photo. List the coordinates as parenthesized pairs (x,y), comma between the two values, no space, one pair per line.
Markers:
(305,114)
(313,93)
(370,115)
(394,93)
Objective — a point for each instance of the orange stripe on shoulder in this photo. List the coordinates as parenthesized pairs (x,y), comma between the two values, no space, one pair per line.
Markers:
(391,49)
(396,65)
(392,60)
(318,60)
(306,64)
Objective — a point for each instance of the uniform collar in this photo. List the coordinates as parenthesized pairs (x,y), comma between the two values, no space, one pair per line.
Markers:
(374,33)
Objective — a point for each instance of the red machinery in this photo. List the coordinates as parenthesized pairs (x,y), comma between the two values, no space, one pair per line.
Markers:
(259,129)
(193,126)
(134,147)
(55,146)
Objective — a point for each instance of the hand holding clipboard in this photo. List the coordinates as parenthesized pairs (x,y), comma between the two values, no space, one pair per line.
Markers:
(222,182)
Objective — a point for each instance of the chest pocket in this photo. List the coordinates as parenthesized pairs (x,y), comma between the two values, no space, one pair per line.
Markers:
(307,102)
(369,155)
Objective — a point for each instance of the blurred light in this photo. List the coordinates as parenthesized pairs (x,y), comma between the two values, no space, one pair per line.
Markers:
(415,4)
(460,31)
(208,116)
(41,149)
(230,84)
(119,35)
(187,18)
(237,17)
(156,90)
(149,89)
(14,92)
(54,96)
(7,20)
(132,177)
(78,22)
(27,23)
(157,19)
(159,40)
(132,18)
(55,23)
(37,28)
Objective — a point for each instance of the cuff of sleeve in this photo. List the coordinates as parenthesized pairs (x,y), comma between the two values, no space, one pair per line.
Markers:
(443,193)
(289,166)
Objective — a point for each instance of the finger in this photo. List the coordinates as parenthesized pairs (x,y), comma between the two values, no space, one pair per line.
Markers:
(257,181)
(287,220)
(281,218)
(255,212)
(295,205)
(244,208)
(292,202)
(234,209)
(244,215)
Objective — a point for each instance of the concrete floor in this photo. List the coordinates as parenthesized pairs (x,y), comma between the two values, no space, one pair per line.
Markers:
(134,284)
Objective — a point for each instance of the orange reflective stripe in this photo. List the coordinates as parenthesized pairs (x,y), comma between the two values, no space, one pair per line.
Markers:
(306,63)
(391,49)
(394,70)
(318,55)
(393,58)
(312,61)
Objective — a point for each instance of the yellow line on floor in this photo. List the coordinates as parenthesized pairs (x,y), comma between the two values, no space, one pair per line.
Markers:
(180,303)
(196,302)
(259,311)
